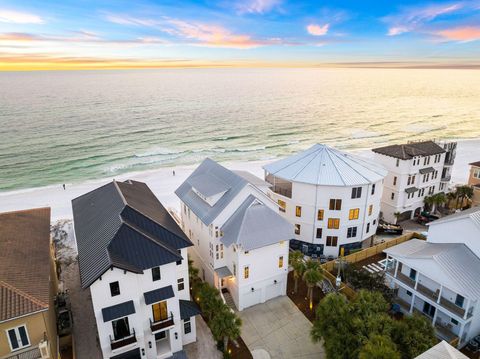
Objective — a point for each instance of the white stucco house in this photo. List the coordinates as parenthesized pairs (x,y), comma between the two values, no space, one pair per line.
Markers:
(241,243)
(415,170)
(331,197)
(440,277)
(133,258)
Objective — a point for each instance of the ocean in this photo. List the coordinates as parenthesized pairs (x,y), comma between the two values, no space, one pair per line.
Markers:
(69,127)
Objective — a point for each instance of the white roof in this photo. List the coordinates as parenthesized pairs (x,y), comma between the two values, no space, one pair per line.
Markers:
(472,213)
(453,265)
(251,178)
(442,350)
(323,165)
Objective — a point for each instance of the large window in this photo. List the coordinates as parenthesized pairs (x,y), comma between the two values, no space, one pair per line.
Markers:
(413,274)
(298,211)
(351,232)
(18,337)
(353,213)
(156,273)
(160,311)
(114,289)
(332,241)
(356,192)
(334,223)
(320,215)
(335,204)
(121,328)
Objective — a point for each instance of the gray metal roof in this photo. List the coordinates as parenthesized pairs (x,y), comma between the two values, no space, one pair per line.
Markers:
(452,264)
(208,184)
(223,272)
(472,213)
(251,178)
(224,178)
(411,189)
(118,311)
(442,350)
(327,166)
(122,224)
(255,225)
(157,295)
(188,309)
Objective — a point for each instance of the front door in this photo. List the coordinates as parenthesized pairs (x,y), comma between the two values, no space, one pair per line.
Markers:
(160,311)
(428,309)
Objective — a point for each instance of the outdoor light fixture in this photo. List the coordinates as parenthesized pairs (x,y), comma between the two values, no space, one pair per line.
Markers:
(143,351)
(150,345)
(275,281)
(253,290)
(176,335)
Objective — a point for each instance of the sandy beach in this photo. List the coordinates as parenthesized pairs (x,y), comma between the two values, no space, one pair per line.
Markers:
(163,183)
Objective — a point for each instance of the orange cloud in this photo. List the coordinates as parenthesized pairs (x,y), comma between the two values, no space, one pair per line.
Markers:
(464,34)
(317,30)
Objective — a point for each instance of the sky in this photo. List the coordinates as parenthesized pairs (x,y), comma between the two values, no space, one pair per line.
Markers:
(82,34)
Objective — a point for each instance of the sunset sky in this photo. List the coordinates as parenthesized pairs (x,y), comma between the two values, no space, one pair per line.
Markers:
(135,34)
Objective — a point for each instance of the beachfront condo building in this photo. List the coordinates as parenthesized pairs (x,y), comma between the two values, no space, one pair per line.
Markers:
(332,198)
(240,240)
(440,277)
(28,286)
(474,181)
(133,257)
(415,170)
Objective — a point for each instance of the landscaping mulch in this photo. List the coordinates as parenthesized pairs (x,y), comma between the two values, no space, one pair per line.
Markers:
(300,298)
(241,352)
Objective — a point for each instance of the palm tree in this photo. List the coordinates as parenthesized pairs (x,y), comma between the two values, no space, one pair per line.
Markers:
(192,271)
(438,200)
(210,301)
(312,275)
(450,197)
(225,326)
(463,192)
(429,203)
(298,265)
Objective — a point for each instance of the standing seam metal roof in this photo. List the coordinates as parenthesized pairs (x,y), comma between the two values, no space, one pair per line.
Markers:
(123,225)
(327,166)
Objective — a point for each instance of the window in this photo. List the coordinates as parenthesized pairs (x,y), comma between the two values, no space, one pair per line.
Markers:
(332,241)
(356,192)
(459,300)
(155,273)
(368,228)
(320,215)
(413,274)
(180,254)
(353,213)
(160,311)
(409,293)
(298,211)
(398,163)
(454,321)
(280,262)
(373,189)
(234,269)
(18,337)
(351,232)
(335,204)
(334,223)
(476,173)
(395,180)
(297,229)
(246,272)
(181,284)
(319,233)
(114,289)
(370,209)
(282,205)
(392,196)
(187,326)
(121,328)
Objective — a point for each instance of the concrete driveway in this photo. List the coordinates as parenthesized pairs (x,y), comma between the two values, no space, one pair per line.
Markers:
(281,329)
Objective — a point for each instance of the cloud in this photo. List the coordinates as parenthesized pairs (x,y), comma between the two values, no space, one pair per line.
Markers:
(317,30)
(16,17)
(256,6)
(461,34)
(131,21)
(412,19)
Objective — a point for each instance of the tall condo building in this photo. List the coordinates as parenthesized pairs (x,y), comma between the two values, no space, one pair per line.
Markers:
(331,197)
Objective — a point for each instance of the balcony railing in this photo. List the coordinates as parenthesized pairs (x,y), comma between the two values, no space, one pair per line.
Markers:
(121,342)
(406,280)
(452,307)
(446,178)
(28,353)
(403,304)
(444,332)
(162,324)
(428,293)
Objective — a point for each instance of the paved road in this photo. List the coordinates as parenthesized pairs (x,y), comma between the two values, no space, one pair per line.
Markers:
(280,328)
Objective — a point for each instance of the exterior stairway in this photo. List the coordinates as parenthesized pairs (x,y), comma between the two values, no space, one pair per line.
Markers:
(228,299)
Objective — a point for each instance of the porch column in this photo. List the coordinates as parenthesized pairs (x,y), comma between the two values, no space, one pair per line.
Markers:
(460,334)
(435,316)
(412,304)
(467,307)
(396,267)
(440,293)
(416,280)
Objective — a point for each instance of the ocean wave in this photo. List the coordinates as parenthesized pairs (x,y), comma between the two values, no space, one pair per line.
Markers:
(159,151)
(227,138)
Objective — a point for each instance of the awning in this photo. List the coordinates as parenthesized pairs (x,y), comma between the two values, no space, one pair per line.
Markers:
(188,309)
(411,189)
(118,311)
(427,170)
(223,272)
(131,354)
(158,295)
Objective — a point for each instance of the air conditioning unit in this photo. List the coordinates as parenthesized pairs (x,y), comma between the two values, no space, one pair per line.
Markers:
(44,349)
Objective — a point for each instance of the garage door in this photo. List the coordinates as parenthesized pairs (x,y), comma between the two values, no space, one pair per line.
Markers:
(252,298)
(273,291)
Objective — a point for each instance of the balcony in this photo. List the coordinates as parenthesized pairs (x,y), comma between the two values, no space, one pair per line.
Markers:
(28,353)
(427,292)
(405,306)
(452,307)
(444,332)
(127,340)
(155,326)
(406,280)
(446,178)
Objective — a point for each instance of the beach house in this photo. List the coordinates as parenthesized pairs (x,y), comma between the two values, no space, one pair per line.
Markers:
(133,258)
(474,181)
(440,277)
(415,170)
(240,240)
(331,197)
(28,286)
